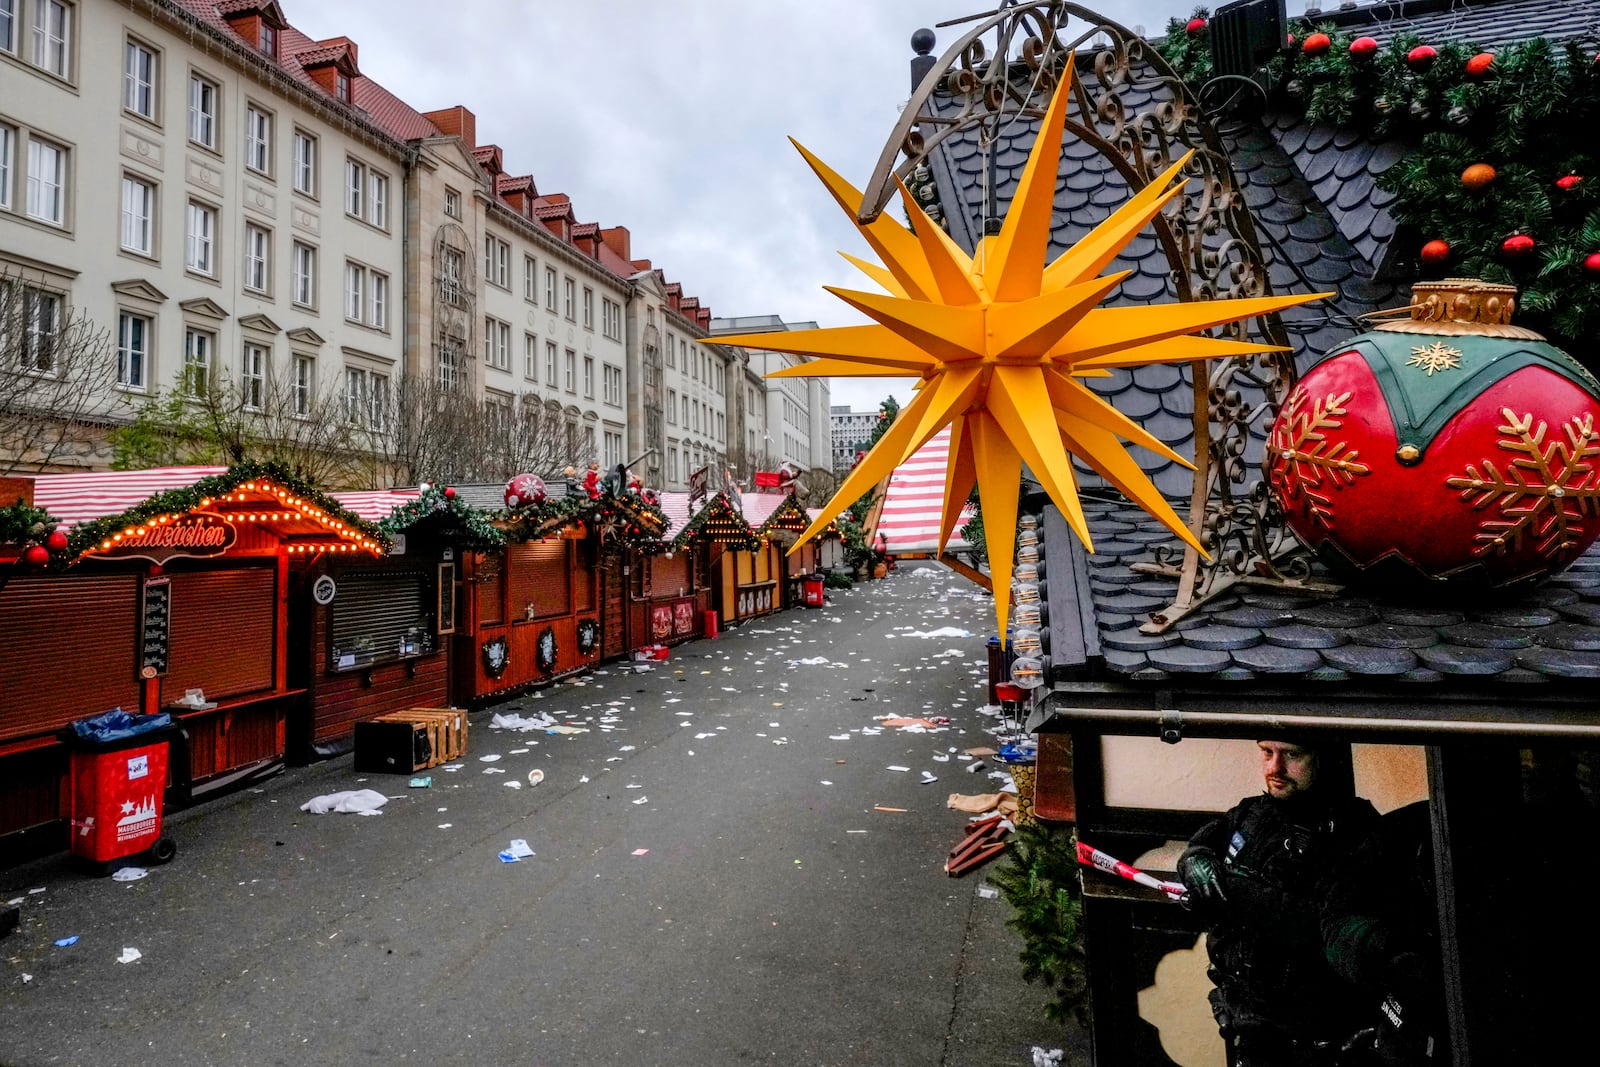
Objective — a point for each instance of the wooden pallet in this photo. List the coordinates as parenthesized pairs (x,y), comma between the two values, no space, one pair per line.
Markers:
(401,742)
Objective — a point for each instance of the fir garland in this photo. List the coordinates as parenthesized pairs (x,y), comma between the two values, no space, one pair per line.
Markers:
(23,524)
(645,521)
(717,507)
(472,528)
(1523,110)
(87,535)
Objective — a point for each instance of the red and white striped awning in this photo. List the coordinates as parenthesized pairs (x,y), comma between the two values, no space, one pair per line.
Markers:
(85,496)
(909,519)
(375,505)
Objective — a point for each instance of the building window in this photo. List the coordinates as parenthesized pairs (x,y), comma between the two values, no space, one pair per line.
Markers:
(452,266)
(588,308)
(572,371)
(378,316)
(672,351)
(133,350)
(378,201)
(613,384)
(355,292)
(302,385)
(588,377)
(550,364)
(355,188)
(138,216)
(8,146)
(449,365)
(257,258)
(613,448)
(258,140)
(570,291)
(52,36)
(269,39)
(356,397)
(41,322)
(550,288)
(377,401)
(305,163)
(496,261)
(672,407)
(530,357)
(253,376)
(672,464)
(139,80)
(199,248)
(202,112)
(303,277)
(611,319)
(497,344)
(341,86)
(530,287)
(685,412)
(197,346)
(452,203)
(47,181)
(8,26)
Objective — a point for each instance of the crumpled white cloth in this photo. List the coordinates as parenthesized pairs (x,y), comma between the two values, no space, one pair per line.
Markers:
(521,723)
(351,801)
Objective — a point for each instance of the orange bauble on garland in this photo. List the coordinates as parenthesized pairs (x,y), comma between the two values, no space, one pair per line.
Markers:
(1477,176)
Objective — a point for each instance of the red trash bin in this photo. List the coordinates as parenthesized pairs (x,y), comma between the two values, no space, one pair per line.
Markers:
(813,590)
(711,623)
(118,792)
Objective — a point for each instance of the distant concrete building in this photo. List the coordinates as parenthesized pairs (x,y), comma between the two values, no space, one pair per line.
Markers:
(851,432)
(796,430)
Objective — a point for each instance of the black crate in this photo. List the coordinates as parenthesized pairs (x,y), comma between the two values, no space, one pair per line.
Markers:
(393,747)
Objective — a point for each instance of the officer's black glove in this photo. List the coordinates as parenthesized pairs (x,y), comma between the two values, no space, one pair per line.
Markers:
(1202,874)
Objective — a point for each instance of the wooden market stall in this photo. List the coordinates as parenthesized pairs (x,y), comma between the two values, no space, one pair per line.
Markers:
(378,633)
(171,595)
(671,586)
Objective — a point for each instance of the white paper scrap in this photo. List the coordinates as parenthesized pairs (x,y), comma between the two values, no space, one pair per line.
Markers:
(129,954)
(129,874)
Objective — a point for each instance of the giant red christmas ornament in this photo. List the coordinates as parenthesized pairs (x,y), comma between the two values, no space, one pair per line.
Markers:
(1451,446)
(524,491)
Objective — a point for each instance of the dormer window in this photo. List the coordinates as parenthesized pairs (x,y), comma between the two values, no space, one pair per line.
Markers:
(341,87)
(269,40)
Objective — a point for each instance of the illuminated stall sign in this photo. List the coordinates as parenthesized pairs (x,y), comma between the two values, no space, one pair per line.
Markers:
(198,535)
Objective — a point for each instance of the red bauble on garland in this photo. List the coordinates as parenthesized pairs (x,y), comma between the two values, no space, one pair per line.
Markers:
(1195,26)
(35,556)
(1435,252)
(1421,57)
(1316,44)
(1364,47)
(1591,264)
(1569,183)
(1516,246)
(1480,65)
(57,541)
(1445,448)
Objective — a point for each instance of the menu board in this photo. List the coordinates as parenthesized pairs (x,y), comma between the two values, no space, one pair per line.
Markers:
(153,627)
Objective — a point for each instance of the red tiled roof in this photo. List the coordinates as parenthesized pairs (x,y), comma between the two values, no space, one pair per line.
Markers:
(506,183)
(315,57)
(586,229)
(545,209)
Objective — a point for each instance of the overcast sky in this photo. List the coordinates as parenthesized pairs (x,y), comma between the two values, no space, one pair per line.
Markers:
(671,118)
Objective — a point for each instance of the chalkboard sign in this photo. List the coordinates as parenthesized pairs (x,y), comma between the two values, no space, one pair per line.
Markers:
(154,619)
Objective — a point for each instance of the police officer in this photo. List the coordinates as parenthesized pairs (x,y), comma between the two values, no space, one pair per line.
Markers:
(1258,876)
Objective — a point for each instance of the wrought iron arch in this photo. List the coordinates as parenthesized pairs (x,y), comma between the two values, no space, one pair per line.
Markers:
(1005,67)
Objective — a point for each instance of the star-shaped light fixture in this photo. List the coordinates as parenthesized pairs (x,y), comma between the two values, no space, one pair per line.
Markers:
(999,341)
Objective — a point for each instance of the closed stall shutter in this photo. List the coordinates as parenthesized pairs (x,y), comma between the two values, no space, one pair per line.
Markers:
(490,583)
(540,576)
(70,650)
(375,613)
(671,574)
(222,632)
(583,579)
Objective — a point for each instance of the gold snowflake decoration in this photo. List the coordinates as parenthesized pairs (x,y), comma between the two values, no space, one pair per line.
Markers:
(1310,460)
(1437,356)
(1547,494)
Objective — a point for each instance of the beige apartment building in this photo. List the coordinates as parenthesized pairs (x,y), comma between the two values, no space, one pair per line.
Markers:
(796,428)
(222,215)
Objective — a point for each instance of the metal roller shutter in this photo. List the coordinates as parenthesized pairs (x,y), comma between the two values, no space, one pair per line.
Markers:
(374,611)
(222,633)
(70,650)
(540,576)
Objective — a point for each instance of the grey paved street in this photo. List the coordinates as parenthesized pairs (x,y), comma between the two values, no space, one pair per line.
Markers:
(776,916)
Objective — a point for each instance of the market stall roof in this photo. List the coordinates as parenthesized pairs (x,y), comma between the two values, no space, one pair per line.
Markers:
(128,512)
(727,523)
(1259,655)
(375,505)
(757,508)
(909,520)
(84,495)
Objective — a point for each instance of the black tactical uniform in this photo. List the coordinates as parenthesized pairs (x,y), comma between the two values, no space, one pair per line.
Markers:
(1276,1000)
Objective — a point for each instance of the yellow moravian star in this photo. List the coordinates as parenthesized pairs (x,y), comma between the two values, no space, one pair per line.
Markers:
(999,342)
